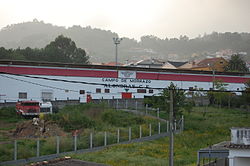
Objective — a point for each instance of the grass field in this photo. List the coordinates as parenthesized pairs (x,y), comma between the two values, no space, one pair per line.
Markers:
(202,128)
(87,118)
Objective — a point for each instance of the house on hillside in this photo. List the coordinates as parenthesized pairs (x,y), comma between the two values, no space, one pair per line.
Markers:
(210,64)
(149,63)
(228,153)
(157,63)
(177,64)
(112,64)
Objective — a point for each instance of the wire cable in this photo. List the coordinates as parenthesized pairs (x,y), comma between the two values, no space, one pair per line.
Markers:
(114,85)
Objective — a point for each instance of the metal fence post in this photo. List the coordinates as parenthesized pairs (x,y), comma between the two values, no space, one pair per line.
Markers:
(126,104)
(150,132)
(146,109)
(136,105)
(105,138)
(15,149)
(175,126)
(159,127)
(167,126)
(91,141)
(182,123)
(75,143)
(129,133)
(118,135)
(57,144)
(158,112)
(117,103)
(37,147)
(140,132)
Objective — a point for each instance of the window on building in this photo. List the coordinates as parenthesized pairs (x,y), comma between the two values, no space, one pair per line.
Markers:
(82,92)
(150,91)
(22,95)
(107,90)
(141,91)
(98,90)
(47,94)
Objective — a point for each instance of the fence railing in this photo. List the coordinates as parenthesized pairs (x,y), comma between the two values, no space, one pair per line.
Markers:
(36,147)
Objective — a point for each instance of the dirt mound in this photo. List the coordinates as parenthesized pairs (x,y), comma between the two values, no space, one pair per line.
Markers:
(28,129)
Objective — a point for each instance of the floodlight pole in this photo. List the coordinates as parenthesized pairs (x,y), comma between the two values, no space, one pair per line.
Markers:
(117,41)
(171,134)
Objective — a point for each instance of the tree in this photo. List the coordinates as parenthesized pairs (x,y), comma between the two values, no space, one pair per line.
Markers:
(162,101)
(218,97)
(63,49)
(236,64)
(246,95)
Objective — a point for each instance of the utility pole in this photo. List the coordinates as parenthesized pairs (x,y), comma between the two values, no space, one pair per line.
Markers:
(117,41)
(213,77)
(211,66)
(171,139)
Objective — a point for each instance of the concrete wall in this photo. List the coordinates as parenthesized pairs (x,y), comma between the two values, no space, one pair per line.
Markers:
(122,103)
(241,161)
(56,103)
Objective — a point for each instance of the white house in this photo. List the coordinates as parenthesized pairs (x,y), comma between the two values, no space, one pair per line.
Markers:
(228,153)
(239,147)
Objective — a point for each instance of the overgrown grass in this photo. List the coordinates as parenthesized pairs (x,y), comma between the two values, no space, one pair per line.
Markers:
(8,121)
(98,117)
(9,115)
(202,128)
(88,118)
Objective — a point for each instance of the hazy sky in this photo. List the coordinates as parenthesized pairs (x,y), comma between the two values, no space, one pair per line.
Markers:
(134,18)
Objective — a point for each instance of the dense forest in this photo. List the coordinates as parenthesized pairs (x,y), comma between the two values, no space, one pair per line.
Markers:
(99,45)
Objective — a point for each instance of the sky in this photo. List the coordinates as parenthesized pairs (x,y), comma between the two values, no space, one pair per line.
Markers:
(134,18)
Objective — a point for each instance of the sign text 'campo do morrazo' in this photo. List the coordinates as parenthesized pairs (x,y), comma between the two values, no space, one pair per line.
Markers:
(126,79)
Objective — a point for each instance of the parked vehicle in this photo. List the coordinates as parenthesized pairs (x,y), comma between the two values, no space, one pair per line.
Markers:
(33,108)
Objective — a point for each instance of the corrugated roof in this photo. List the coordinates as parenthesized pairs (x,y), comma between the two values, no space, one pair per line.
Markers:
(177,64)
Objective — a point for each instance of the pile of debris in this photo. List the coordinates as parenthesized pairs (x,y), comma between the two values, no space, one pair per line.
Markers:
(37,128)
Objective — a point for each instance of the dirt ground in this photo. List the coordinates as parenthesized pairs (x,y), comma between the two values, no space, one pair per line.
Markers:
(28,129)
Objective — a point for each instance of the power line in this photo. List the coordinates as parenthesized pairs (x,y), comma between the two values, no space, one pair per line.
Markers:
(113,86)
(52,87)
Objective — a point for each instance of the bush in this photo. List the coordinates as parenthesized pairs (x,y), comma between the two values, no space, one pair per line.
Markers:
(9,114)
(72,118)
(121,119)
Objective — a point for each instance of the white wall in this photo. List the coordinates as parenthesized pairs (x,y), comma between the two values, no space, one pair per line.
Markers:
(239,157)
(10,87)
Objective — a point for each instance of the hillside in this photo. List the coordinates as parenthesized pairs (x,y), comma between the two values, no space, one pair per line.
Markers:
(100,47)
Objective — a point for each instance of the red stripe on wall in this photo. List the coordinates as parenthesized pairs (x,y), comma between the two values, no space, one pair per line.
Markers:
(58,72)
(114,74)
(196,78)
